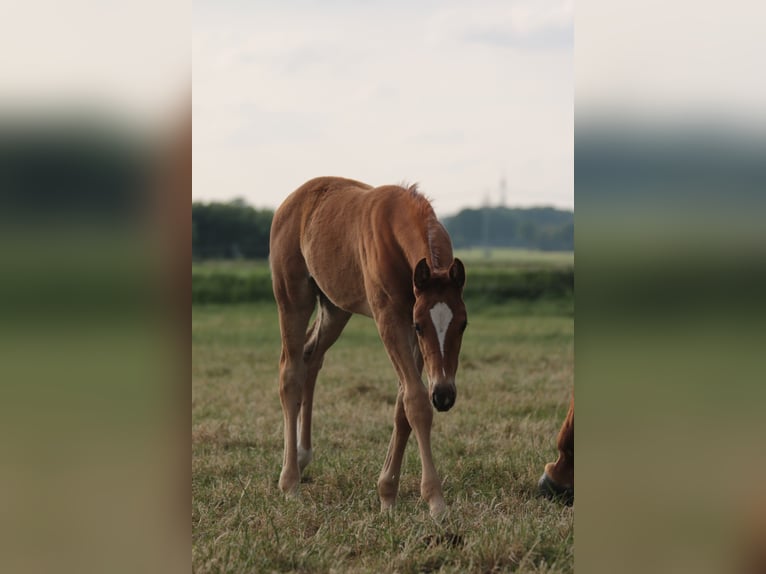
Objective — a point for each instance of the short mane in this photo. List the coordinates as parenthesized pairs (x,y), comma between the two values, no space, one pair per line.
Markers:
(434,231)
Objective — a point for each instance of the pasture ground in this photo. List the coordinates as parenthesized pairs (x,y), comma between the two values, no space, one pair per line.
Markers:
(514,382)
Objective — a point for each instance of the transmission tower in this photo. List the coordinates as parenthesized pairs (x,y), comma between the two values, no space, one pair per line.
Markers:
(485,226)
(503,191)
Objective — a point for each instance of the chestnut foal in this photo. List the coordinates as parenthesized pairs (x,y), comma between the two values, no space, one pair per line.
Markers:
(379,252)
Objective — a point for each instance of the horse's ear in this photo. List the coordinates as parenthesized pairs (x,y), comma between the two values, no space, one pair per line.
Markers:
(457,272)
(421,275)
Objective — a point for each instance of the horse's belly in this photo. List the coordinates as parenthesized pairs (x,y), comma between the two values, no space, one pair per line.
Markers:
(360,308)
(332,260)
(343,292)
(348,302)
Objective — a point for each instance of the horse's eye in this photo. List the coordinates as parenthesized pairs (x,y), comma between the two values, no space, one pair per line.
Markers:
(463,326)
(418,329)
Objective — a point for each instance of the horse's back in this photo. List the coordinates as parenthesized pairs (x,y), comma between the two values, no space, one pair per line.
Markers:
(298,208)
(315,191)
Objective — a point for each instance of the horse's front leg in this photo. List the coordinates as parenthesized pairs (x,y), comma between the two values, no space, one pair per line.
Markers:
(420,413)
(397,336)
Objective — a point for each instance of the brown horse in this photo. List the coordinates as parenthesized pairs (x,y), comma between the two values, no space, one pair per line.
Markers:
(382,253)
(557,480)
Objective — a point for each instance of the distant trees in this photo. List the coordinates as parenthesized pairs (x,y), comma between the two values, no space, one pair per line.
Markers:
(230,230)
(234,229)
(544,228)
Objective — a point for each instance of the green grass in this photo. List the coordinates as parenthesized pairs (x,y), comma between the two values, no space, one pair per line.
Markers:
(514,382)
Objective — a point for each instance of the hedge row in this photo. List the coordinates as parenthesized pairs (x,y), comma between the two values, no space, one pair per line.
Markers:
(484,285)
(231,287)
(500,286)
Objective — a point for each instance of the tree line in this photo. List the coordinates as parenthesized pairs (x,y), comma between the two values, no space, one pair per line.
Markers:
(236,230)
(230,230)
(544,228)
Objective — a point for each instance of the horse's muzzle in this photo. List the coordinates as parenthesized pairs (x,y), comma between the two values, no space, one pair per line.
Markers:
(443,397)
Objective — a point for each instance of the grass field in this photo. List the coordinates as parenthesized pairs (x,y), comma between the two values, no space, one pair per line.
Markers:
(514,381)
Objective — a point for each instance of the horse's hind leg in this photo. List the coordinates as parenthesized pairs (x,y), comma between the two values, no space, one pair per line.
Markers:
(388,481)
(327,327)
(296,299)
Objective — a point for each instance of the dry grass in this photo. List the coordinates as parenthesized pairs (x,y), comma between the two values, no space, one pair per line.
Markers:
(513,387)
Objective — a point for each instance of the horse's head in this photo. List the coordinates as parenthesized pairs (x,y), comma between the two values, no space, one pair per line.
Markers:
(439,319)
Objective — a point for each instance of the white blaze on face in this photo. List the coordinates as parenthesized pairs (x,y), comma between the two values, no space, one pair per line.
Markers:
(441,315)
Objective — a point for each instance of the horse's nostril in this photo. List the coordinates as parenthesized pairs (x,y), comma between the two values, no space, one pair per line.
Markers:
(442,402)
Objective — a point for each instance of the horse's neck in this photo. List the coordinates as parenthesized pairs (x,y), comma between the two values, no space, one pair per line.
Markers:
(429,240)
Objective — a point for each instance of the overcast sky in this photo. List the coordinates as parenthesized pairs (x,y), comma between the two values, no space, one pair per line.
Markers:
(453,95)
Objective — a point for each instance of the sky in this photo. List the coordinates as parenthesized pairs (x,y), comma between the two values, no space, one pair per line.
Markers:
(453,95)
(125,61)
(669,61)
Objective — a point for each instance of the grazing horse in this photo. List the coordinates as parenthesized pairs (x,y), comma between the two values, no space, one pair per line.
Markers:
(557,480)
(382,253)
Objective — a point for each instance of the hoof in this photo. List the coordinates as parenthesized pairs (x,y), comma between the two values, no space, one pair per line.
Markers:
(549,489)
(304,458)
(290,493)
(438,510)
(288,484)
